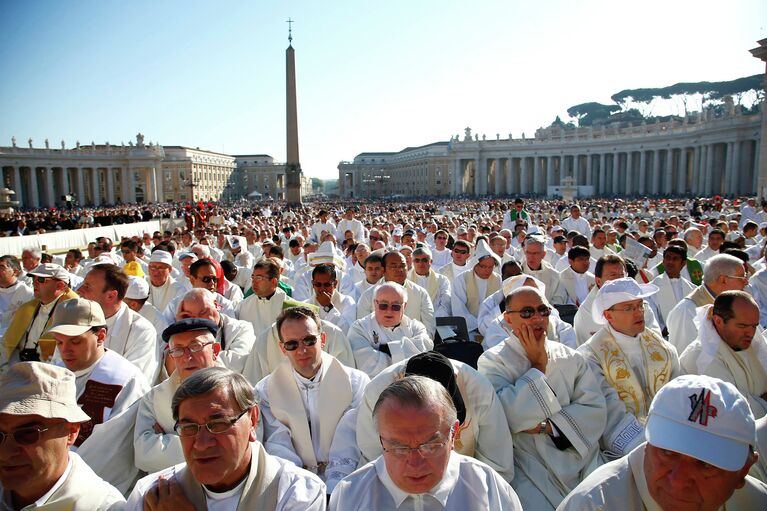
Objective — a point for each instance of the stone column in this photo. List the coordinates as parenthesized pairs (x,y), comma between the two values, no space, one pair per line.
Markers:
(697,173)
(549,173)
(524,179)
(34,198)
(668,176)
(736,166)
(132,185)
(537,177)
(616,173)
(682,175)
(498,177)
(655,181)
(709,170)
(49,200)
(642,172)
(629,175)
(727,189)
(589,169)
(477,178)
(80,186)
(756,166)
(110,187)
(161,184)
(17,186)
(600,190)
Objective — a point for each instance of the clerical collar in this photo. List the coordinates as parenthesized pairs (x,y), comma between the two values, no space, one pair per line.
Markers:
(310,382)
(6,288)
(623,337)
(267,297)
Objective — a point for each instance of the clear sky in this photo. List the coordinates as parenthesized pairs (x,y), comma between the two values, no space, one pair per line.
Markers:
(371,76)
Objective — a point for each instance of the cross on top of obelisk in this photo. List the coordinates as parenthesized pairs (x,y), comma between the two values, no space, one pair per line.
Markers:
(290,30)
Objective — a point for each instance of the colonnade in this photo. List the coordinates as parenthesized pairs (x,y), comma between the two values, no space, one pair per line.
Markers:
(46,186)
(704,169)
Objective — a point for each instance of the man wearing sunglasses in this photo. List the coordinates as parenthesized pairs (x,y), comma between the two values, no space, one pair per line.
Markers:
(631,361)
(128,333)
(216,415)
(387,334)
(460,254)
(416,422)
(554,405)
(25,338)
(39,422)
(334,307)
(310,383)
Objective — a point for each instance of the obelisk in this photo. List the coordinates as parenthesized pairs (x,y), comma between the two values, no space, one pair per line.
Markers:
(293,164)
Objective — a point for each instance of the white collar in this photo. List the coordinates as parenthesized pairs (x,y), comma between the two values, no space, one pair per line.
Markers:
(441,491)
(42,500)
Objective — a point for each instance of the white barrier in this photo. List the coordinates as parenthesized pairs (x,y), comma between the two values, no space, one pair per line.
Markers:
(61,241)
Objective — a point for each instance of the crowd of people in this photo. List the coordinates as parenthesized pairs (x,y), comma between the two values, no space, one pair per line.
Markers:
(443,354)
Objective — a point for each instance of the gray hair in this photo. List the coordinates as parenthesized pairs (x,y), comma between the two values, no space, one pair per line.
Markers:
(422,251)
(534,240)
(720,265)
(690,231)
(209,379)
(418,392)
(36,252)
(12,262)
(399,289)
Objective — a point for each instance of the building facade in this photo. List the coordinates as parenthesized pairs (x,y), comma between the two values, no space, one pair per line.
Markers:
(195,174)
(413,172)
(695,156)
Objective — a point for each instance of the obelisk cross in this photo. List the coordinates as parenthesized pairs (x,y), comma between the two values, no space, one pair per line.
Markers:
(290,30)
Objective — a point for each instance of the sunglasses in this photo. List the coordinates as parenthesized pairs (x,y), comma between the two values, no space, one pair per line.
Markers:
(24,436)
(528,312)
(41,280)
(208,279)
(460,252)
(309,340)
(323,285)
(396,307)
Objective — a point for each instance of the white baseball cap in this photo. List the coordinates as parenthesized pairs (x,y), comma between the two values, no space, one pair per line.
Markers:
(76,316)
(617,291)
(704,418)
(51,270)
(138,288)
(161,256)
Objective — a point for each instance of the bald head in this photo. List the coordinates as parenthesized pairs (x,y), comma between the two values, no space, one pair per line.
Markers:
(198,303)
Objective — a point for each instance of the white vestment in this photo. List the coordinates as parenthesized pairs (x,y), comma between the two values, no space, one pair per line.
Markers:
(131,335)
(311,422)
(576,285)
(555,293)
(157,451)
(366,337)
(579,224)
(419,305)
(451,271)
(272,484)
(467,484)
(266,354)
(160,296)
(460,301)
(440,258)
(343,312)
(78,489)
(670,293)
(681,320)
(483,435)
(558,330)
(353,225)
(261,312)
(569,397)
(10,299)
(621,484)
(439,289)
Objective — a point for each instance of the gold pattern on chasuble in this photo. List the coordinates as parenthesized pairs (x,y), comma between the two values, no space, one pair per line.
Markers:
(461,427)
(619,376)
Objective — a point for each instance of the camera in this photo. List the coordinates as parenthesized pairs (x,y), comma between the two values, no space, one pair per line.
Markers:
(29,355)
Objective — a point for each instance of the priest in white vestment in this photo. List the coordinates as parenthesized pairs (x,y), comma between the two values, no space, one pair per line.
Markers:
(436,284)
(39,471)
(482,434)
(387,335)
(700,437)
(721,273)
(162,287)
(231,469)
(460,254)
(630,361)
(419,305)
(441,255)
(576,279)
(13,292)
(672,286)
(535,266)
(339,309)
(128,333)
(553,403)
(607,269)
(106,382)
(265,304)
(416,420)
(731,347)
(472,287)
(311,384)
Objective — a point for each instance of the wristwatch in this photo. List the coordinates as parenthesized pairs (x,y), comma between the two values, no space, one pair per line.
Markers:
(542,427)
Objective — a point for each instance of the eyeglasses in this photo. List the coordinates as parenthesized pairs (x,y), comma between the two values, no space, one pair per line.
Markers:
(209,278)
(441,238)
(374,238)
(543,311)
(420,260)
(216,426)
(628,308)
(460,252)
(396,307)
(324,285)
(309,340)
(736,277)
(428,450)
(259,277)
(41,280)
(24,436)
(195,347)
(396,267)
